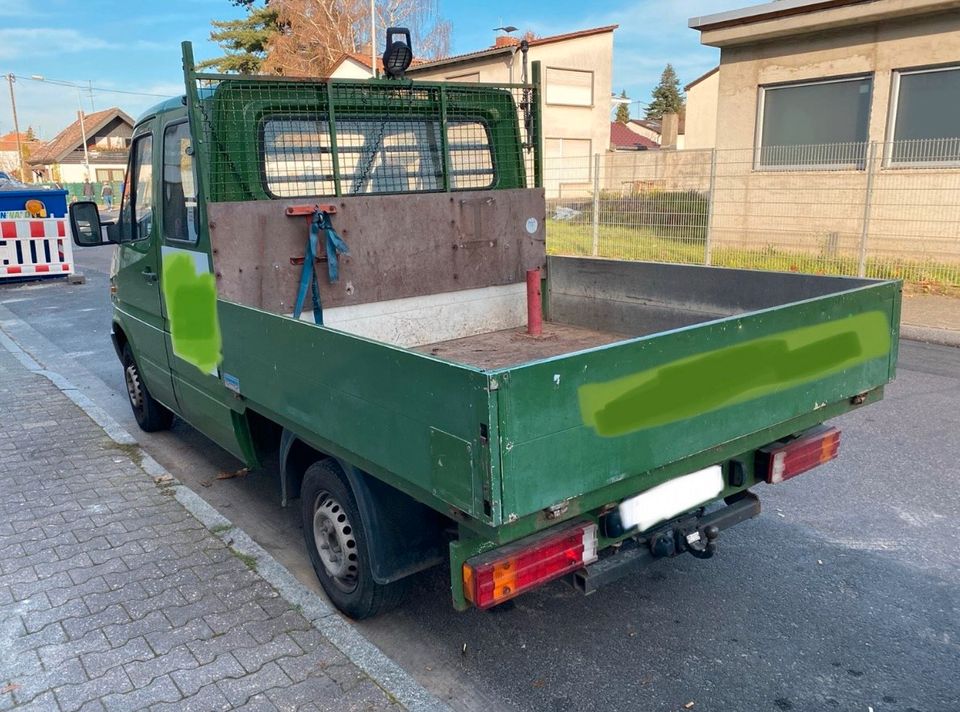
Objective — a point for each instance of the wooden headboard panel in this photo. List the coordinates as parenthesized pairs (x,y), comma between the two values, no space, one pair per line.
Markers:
(400,246)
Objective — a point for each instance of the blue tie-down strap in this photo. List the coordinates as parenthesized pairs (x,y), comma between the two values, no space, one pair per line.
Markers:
(308,277)
(335,244)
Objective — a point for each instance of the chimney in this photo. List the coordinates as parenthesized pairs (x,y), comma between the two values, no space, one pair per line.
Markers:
(669,127)
(505,41)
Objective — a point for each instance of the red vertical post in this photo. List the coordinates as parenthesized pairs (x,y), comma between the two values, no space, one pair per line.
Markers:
(534,303)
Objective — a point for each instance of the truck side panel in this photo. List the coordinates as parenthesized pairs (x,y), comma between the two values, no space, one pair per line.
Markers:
(577,424)
(411,420)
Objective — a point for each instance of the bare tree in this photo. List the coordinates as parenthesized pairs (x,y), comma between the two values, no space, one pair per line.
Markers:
(315,33)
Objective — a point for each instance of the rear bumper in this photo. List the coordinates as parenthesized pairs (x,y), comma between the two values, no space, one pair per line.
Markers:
(668,539)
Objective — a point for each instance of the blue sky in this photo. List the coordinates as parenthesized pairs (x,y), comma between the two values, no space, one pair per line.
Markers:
(133,45)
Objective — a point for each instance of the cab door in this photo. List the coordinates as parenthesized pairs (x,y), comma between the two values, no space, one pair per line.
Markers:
(189,294)
(137,276)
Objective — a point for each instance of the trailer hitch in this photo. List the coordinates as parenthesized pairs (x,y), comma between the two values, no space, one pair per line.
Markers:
(677,541)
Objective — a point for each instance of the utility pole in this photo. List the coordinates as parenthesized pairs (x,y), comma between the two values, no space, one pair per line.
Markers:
(83,133)
(373,38)
(90,85)
(16,129)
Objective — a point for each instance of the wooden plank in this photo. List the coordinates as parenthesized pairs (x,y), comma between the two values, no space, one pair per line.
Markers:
(512,347)
(400,246)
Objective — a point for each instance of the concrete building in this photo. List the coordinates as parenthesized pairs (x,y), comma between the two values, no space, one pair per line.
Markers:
(700,129)
(577,76)
(838,120)
(62,160)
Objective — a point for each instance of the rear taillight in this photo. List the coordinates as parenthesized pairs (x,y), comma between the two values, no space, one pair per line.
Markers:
(782,460)
(501,574)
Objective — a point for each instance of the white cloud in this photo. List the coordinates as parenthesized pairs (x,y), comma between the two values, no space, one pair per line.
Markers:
(20,42)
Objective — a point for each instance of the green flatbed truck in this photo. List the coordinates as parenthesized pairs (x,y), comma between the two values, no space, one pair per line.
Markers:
(417,415)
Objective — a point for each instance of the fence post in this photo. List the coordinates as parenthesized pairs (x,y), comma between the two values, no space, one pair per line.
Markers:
(708,248)
(596,205)
(867,204)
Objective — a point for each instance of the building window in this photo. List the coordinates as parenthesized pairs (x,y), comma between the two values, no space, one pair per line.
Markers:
(569,87)
(109,175)
(814,125)
(925,117)
(567,160)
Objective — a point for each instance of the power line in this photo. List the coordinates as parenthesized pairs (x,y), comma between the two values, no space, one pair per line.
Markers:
(87,87)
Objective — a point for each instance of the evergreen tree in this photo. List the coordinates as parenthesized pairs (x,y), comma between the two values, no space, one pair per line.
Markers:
(31,136)
(667,95)
(244,41)
(623,110)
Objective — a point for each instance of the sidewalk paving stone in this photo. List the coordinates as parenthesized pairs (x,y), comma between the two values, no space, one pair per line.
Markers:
(114,597)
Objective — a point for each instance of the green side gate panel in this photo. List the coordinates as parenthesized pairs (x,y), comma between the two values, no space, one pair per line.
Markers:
(413,421)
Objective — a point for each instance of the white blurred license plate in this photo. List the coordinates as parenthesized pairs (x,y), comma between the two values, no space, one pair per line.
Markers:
(671,498)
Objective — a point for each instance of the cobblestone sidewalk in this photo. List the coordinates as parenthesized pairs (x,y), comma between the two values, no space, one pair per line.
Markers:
(114,597)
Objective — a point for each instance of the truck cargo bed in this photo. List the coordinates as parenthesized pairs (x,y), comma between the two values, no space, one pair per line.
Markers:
(512,347)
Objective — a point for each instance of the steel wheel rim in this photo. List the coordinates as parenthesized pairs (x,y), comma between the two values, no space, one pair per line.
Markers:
(335,542)
(134,389)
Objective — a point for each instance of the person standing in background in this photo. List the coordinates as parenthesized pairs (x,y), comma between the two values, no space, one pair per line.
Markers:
(107,194)
(87,189)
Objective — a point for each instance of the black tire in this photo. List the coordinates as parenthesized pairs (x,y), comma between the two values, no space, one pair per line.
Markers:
(151,416)
(331,517)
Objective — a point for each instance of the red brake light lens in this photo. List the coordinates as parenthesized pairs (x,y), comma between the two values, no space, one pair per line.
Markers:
(782,460)
(501,574)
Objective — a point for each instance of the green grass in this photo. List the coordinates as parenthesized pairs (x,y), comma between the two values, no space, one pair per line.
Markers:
(627,243)
(620,242)
(249,561)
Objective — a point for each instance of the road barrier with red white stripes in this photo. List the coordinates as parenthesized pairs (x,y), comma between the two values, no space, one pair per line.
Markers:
(35,246)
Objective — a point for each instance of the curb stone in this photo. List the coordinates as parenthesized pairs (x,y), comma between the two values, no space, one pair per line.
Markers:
(389,676)
(930,335)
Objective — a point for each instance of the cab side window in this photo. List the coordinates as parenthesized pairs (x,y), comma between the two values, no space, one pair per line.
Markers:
(136,211)
(180,218)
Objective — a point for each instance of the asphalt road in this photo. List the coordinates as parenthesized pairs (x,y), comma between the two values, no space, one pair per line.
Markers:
(844,594)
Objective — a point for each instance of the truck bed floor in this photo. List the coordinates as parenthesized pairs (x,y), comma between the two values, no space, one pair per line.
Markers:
(512,347)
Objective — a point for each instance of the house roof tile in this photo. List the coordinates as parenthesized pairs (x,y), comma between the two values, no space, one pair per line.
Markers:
(623,138)
(71,138)
(8,142)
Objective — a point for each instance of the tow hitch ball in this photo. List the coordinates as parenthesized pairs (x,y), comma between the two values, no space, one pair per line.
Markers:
(675,542)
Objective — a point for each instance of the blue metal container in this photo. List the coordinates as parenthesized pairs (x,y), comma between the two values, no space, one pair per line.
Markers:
(18,200)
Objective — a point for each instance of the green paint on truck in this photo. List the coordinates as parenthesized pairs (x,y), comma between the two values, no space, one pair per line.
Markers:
(191,300)
(709,381)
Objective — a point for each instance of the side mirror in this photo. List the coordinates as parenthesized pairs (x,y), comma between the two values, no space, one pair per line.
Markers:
(86,226)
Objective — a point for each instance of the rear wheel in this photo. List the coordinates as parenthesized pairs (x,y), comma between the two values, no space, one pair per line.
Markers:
(151,415)
(337,546)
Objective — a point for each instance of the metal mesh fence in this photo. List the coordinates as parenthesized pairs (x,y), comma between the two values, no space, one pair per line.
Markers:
(877,210)
(281,138)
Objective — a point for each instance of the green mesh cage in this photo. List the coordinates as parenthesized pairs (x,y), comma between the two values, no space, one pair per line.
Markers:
(264,138)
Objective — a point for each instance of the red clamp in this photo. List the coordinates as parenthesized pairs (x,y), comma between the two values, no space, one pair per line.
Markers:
(308,210)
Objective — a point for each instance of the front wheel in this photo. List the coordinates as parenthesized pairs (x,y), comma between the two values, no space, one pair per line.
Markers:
(150,414)
(337,546)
